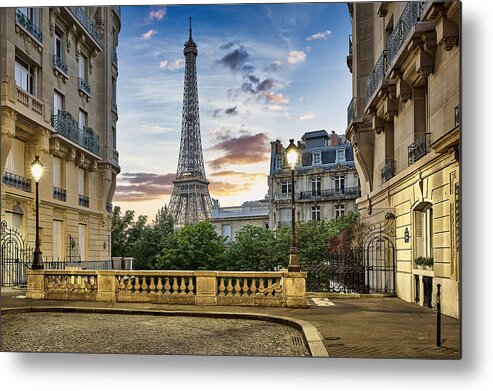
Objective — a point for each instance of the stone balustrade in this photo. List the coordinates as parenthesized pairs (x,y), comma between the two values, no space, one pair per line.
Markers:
(269,289)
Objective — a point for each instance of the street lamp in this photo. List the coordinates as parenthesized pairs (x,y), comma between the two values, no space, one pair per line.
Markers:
(292,158)
(37,172)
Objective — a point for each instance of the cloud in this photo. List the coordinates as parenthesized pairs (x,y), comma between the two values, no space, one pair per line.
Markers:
(141,186)
(177,64)
(236,59)
(295,56)
(149,34)
(270,97)
(231,111)
(307,116)
(155,14)
(275,65)
(228,45)
(244,149)
(324,35)
(266,84)
(227,189)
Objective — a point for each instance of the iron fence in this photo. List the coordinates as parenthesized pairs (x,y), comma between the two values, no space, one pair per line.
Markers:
(17,181)
(60,64)
(418,148)
(28,25)
(376,76)
(388,171)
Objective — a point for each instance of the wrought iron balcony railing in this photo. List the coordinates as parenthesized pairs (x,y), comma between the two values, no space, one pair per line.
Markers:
(16,181)
(109,207)
(67,126)
(59,194)
(84,87)
(28,25)
(377,75)
(60,65)
(118,10)
(88,24)
(347,192)
(84,201)
(114,56)
(409,18)
(419,148)
(114,107)
(350,44)
(388,171)
(351,110)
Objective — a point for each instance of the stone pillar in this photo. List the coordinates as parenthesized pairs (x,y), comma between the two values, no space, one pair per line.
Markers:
(35,284)
(206,288)
(7,127)
(294,286)
(106,285)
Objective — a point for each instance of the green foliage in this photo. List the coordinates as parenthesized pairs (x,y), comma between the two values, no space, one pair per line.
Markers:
(424,261)
(196,247)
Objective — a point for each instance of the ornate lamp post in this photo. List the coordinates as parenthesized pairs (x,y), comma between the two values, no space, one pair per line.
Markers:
(37,172)
(292,157)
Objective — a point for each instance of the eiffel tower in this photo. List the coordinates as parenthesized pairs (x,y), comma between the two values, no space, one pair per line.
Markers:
(190,201)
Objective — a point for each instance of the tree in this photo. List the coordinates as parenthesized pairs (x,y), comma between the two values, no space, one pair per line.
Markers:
(120,225)
(196,247)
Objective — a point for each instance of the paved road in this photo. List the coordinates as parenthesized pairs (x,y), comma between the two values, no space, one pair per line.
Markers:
(351,327)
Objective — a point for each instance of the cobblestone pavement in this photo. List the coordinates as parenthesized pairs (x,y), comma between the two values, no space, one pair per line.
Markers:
(147,334)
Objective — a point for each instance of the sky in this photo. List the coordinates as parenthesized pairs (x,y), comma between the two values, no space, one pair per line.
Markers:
(265,72)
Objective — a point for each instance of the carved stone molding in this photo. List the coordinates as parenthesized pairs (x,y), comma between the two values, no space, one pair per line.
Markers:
(447,32)
(30,44)
(72,155)
(83,218)
(8,122)
(58,214)
(377,124)
(54,12)
(403,90)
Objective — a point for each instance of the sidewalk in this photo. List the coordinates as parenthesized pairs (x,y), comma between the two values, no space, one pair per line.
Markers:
(382,327)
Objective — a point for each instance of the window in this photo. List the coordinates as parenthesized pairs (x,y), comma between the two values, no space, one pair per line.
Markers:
(278,164)
(339,211)
(339,182)
(316,186)
(83,67)
(423,232)
(14,220)
(59,51)
(113,131)
(82,181)
(25,76)
(57,240)
(340,155)
(58,179)
(31,13)
(356,180)
(286,187)
(113,90)
(82,119)
(15,158)
(315,212)
(57,103)
(285,215)
(317,158)
(82,242)
(227,231)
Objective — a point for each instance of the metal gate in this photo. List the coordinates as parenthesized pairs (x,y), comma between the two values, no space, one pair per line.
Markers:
(15,256)
(366,269)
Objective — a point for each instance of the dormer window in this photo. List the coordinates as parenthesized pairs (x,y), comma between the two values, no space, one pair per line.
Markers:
(278,164)
(316,158)
(340,155)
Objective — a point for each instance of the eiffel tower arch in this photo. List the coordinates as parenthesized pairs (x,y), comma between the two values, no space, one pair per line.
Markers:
(190,201)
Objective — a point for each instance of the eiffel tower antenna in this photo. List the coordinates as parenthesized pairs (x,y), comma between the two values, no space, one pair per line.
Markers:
(190,201)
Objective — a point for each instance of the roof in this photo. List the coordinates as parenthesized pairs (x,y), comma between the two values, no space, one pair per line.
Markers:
(315,134)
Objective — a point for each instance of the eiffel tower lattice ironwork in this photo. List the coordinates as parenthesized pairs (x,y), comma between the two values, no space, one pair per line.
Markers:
(190,201)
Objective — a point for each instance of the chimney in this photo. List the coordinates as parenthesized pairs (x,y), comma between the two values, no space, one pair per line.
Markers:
(334,139)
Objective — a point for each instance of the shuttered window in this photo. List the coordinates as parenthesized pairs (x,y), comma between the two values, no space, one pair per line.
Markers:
(15,158)
(82,183)
(57,172)
(57,240)
(82,242)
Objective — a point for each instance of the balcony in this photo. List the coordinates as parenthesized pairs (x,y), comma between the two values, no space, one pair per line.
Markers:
(60,65)
(240,211)
(109,207)
(27,24)
(282,196)
(114,57)
(388,171)
(88,24)
(419,148)
(409,18)
(349,58)
(84,87)
(334,194)
(29,101)
(67,126)
(59,194)
(16,181)
(114,108)
(117,10)
(376,76)
(84,201)
(351,110)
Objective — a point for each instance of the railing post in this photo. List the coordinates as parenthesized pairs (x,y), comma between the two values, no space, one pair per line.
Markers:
(294,286)
(439,320)
(205,288)
(35,284)
(106,280)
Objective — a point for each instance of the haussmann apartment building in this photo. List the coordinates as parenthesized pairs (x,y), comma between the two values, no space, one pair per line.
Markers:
(58,101)
(404,125)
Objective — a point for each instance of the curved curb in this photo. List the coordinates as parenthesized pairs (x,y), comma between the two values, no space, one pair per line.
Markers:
(310,333)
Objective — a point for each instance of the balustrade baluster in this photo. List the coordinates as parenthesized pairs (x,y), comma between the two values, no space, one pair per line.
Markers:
(269,287)
(49,283)
(230,287)
(129,285)
(144,285)
(63,285)
(167,287)
(56,285)
(261,288)
(152,287)
(245,287)
(76,284)
(277,288)
(183,286)
(237,288)
(175,286)
(190,286)
(159,286)
(121,285)
(82,283)
(222,288)
(137,285)
(253,287)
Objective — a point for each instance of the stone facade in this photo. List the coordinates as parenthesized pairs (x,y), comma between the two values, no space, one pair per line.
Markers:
(58,101)
(403,122)
(229,220)
(326,180)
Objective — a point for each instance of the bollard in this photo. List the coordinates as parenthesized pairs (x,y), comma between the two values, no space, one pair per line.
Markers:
(439,324)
